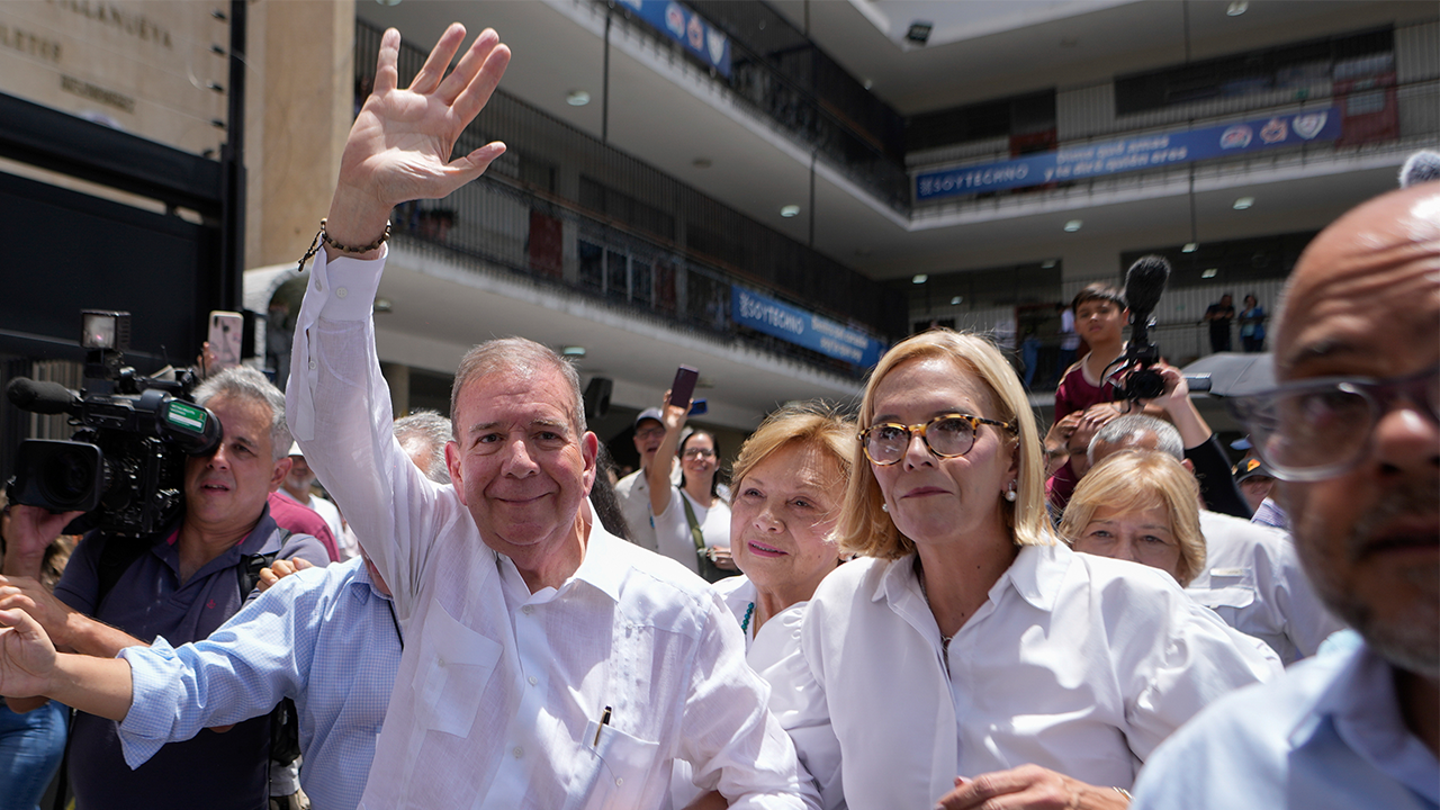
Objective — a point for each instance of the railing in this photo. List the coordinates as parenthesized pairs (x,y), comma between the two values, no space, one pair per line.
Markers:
(1382,116)
(779,74)
(675,265)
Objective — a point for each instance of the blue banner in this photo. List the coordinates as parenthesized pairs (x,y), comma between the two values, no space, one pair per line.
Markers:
(802,328)
(1131,154)
(687,28)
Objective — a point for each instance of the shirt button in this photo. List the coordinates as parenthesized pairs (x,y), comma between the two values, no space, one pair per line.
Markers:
(534,680)
(314,365)
(518,752)
(619,780)
(527,609)
(341,292)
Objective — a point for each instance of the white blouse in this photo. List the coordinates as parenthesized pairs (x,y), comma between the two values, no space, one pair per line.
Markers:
(672,530)
(1076,663)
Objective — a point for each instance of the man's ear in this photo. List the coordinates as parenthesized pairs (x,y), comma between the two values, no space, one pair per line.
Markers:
(590,452)
(457,472)
(282,469)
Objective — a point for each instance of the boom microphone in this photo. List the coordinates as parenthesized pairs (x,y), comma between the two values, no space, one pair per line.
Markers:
(41,397)
(1144,284)
(1421,167)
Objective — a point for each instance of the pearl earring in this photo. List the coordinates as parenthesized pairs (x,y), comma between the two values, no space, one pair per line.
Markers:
(885,507)
(1010,493)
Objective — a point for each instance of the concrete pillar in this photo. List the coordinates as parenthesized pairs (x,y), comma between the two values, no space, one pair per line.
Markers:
(300,107)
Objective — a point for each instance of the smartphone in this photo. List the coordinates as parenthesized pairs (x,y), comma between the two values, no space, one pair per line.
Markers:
(699,407)
(227,331)
(684,386)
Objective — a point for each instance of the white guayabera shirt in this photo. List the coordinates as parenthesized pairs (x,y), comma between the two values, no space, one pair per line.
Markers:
(501,693)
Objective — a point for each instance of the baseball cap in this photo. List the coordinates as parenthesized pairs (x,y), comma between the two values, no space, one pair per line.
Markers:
(1250,468)
(649,413)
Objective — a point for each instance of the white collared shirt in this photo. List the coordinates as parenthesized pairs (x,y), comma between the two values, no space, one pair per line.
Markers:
(1253,579)
(1076,663)
(500,693)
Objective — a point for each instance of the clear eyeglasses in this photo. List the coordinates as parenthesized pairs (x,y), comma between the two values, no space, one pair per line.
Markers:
(947,436)
(699,452)
(1317,429)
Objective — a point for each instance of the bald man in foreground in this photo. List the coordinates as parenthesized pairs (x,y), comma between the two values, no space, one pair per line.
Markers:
(1351,432)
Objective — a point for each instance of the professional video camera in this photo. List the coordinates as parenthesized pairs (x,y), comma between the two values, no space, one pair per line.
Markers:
(125,464)
(1144,284)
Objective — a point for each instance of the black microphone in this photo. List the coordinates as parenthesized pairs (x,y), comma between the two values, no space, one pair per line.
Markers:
(1144,284)
(42,397)
(1421,167)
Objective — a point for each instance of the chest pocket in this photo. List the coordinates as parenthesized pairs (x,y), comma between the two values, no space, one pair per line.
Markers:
(455,664)
(624,763)
(1232,588)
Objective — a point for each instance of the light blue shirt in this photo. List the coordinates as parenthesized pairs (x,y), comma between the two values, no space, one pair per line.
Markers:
(1327,735)
(323,637)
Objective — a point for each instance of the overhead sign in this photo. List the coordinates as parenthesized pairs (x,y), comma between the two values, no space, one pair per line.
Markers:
(804,329)
(1131,154)
(698,35)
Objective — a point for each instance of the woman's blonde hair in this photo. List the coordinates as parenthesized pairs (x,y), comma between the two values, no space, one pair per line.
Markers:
(865,528)
(810,424)
(1134,481)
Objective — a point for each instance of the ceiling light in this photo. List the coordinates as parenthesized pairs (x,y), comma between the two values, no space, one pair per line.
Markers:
(1210,272)
(867,84)
(1243,203)
(388,2)
(701,163)
(1073,225)
(955,302)
(383,305)
(572,351)
(577,98)
(1190,247)
(919,32)
(1237,8)
(1048,264)
(790,211)
(919,278)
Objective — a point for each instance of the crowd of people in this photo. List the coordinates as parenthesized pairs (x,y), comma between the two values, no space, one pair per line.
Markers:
(931,603)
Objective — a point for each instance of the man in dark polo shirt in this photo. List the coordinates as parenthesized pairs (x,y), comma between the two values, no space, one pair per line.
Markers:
(185,584)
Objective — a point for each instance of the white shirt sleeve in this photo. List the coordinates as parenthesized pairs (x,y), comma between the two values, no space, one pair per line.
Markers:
(338,405)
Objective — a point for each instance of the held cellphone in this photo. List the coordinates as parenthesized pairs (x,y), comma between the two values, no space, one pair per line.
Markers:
(684,386)
(226,336)
(699,407)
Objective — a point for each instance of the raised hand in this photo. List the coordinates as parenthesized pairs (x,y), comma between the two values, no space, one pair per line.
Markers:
(31,530)
(27,658)
(399,147)
(279,570)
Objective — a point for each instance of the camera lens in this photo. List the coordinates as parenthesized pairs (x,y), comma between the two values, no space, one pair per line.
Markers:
(68,478)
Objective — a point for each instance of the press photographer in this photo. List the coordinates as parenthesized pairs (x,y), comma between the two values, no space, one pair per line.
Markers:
(181,579)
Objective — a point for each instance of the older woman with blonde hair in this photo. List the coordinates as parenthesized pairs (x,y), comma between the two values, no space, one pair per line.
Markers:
(969,659)
(1142,507)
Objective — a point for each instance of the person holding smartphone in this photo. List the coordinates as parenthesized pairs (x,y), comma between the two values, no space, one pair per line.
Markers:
(692,520)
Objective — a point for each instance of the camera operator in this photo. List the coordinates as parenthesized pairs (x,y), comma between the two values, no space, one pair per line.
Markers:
(181,583)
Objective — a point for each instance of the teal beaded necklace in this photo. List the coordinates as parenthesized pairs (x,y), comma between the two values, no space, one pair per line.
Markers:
(745,623)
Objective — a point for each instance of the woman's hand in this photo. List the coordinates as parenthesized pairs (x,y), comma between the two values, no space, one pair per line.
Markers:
(723,559)
(1030,787)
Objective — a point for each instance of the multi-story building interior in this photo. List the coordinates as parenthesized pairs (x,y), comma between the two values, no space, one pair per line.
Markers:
(773,191)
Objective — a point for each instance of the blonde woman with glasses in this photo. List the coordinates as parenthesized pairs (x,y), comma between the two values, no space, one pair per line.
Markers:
(969,658)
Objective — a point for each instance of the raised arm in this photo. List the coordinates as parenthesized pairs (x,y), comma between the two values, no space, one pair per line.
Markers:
(338,403)
(30,667)
(658,475)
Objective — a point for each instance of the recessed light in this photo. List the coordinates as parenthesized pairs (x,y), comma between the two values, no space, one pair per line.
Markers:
(701,163)
(1190,247)
(1237,8)
(919,278)
(577,98)
(955,302)
(383,305)
(1243,203)
(867,84)
(919,32)
(1049,264)
(388,2)
(1074,225)
(790,211)
(1209,272)
(572,351)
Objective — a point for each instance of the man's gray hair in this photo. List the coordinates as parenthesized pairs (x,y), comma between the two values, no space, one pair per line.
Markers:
(424,434)
(1128,430)
(247,384)
(521,356)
